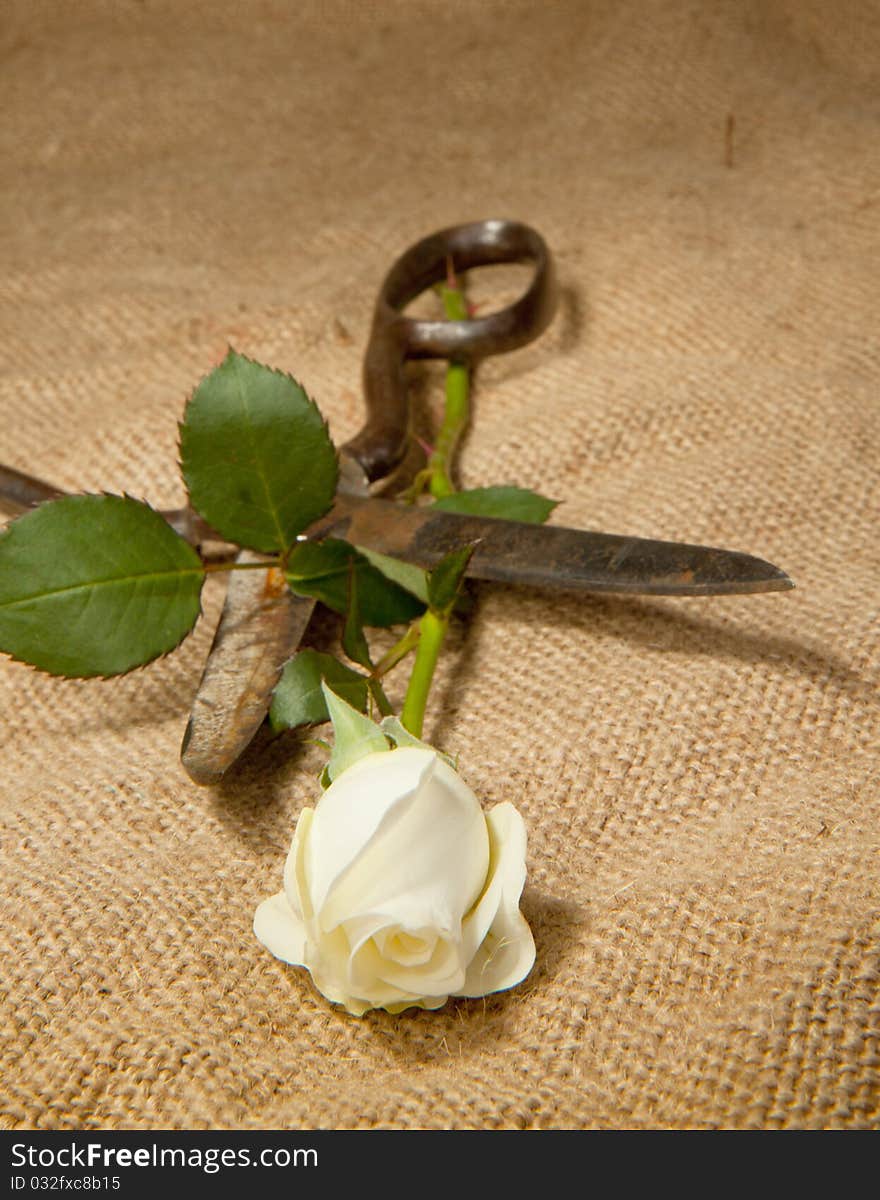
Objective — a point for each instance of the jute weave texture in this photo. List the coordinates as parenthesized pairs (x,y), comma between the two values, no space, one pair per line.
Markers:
(699,778)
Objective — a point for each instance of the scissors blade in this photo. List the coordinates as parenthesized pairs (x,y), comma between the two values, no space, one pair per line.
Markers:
(549,556)
(259,629)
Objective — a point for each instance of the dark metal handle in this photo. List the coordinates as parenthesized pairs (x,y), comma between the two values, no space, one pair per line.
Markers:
(382,442)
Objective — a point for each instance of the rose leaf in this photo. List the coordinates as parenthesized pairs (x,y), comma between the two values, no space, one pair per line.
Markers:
(322,569)
(95,585)
(410,577)
(446,579)
(507,502)
(354,640)
(256,455)
(298,698)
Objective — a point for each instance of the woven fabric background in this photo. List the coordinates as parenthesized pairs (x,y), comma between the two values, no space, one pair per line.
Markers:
(699,777)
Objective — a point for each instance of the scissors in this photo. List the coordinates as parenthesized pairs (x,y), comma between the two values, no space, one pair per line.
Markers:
(262,621)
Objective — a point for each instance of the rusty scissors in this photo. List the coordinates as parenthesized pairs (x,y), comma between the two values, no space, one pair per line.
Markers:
(262,621)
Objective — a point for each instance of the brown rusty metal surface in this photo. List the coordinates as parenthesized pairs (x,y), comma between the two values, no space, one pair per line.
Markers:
(550,556)
(263,621)
(509,551)
(382,442)
(20,491)
(260,627)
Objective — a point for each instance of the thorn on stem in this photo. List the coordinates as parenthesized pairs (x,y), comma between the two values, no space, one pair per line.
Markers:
(451,279)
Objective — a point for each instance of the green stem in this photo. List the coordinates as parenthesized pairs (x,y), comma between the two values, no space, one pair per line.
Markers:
(378,693)
(398,651)
(456,412)
(432,631)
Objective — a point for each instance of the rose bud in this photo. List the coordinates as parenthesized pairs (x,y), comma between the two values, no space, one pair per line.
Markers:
(399,891)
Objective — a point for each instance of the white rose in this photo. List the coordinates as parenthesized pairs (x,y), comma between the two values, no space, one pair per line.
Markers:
(400,891)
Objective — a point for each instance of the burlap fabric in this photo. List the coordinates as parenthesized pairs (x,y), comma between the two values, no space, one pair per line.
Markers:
(699,778)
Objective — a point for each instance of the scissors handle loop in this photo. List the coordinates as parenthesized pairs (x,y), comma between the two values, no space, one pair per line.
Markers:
(394,338)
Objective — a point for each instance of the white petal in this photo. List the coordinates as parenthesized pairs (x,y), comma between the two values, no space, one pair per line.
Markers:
(507,870)
(354,982)
(406,947)
(280,930)
(442,973)
(370,972)
(426,861)
(496,934)
(504,959)
(351,810)
(294,868)
(429,1002)
(328,986)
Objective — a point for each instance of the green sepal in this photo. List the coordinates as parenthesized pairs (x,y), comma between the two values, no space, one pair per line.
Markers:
(506,502)
(355,735)
(95,585)
(298,698)
(256,455)
(446,579)
(401,737)
(321,569)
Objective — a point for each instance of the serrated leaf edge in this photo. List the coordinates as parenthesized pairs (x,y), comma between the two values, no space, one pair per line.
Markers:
(282,728)
(282,547)
(23,662)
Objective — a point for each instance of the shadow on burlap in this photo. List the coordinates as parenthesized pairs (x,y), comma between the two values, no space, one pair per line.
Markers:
(699,778)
